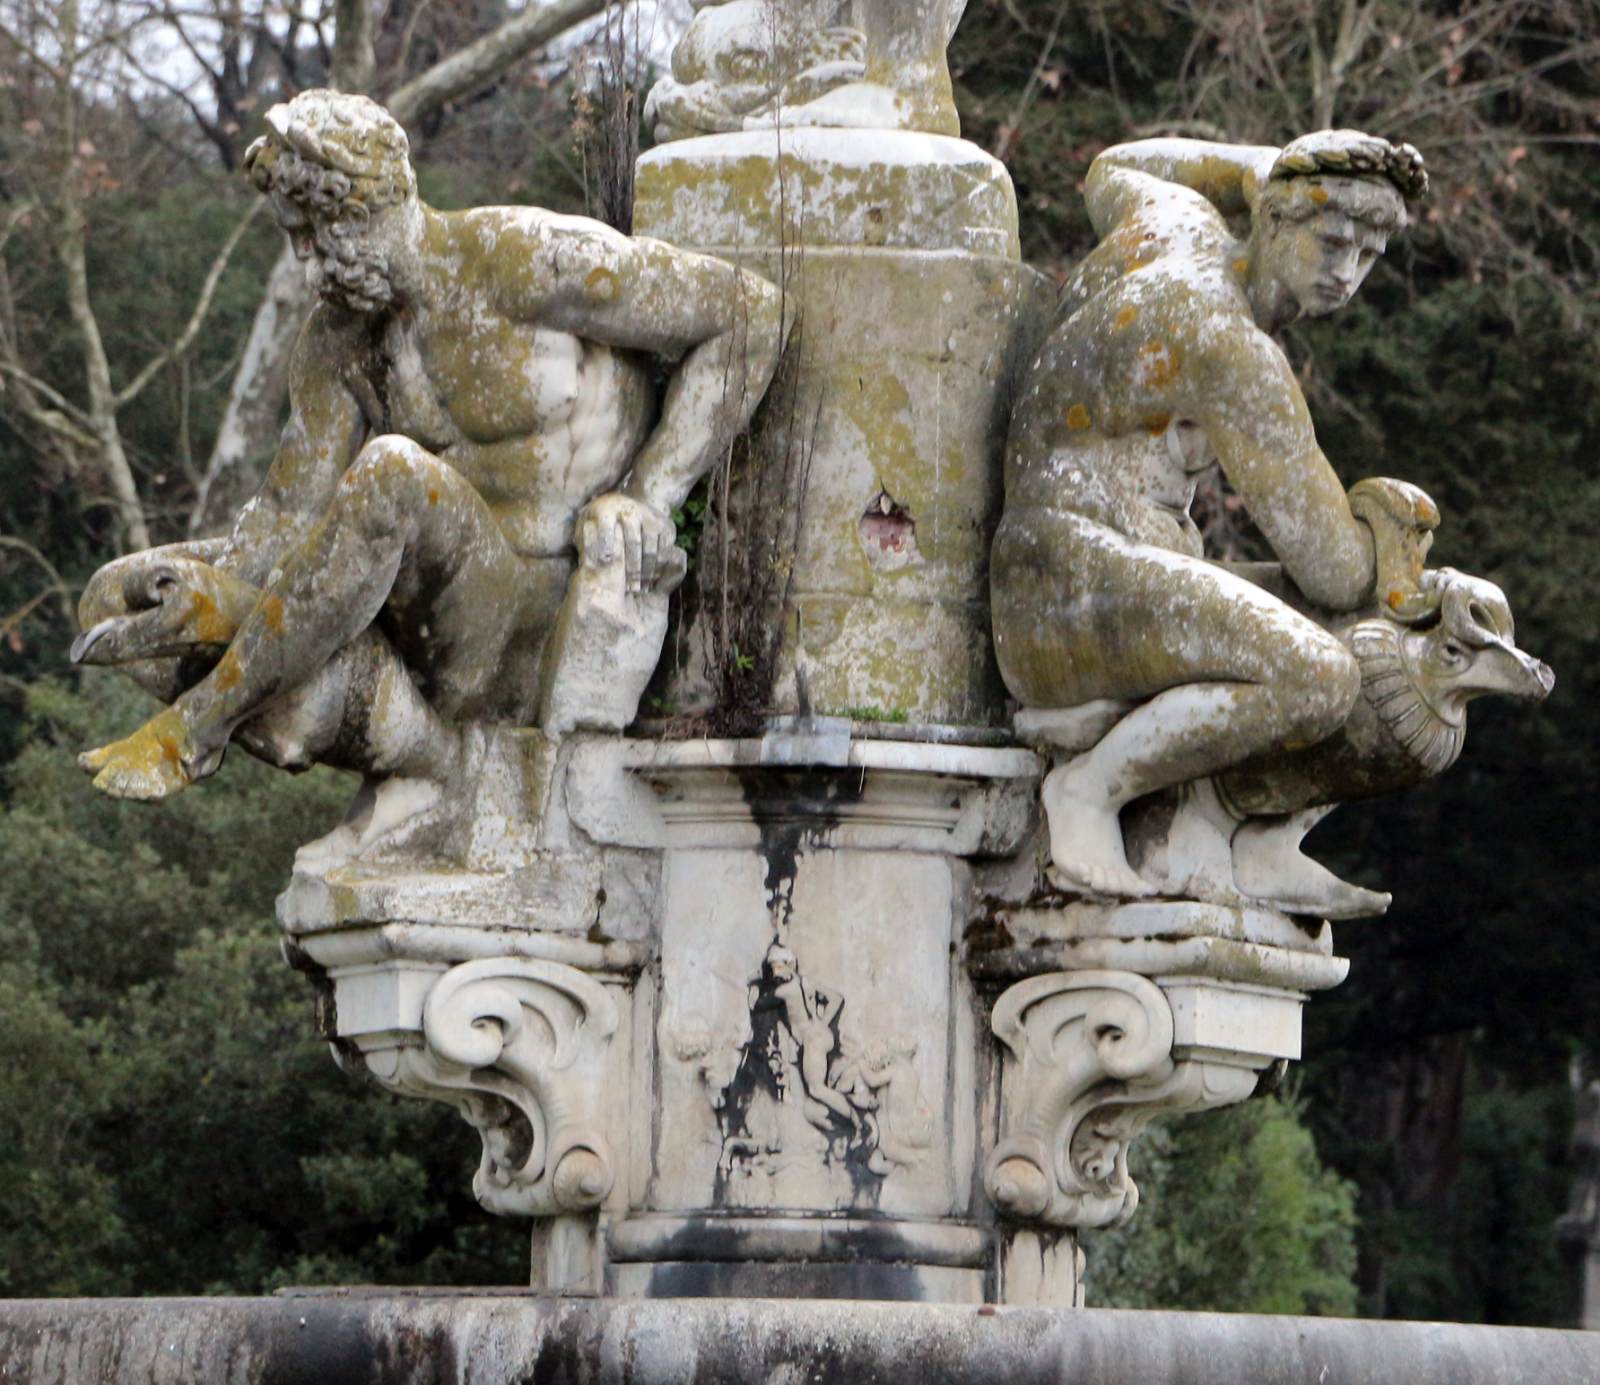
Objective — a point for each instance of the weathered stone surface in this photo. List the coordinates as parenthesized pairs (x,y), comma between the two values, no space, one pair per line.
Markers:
(467,523)
(399,1338)
(748,63)
(871,485)
(815,188)
(1342,670)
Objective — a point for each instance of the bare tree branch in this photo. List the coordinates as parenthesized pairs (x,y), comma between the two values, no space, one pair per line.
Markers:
(481,62)
(202,306)
(56,588)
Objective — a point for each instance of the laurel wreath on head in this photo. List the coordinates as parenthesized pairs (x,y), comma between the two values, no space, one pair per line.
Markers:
(1353,154)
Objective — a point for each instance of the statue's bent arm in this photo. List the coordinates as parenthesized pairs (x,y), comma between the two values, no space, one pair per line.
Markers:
(1226,175)
(325,430)
(1245,397)
(724,325)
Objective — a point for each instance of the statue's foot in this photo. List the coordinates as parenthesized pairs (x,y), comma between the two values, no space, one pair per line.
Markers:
(340,845)
(386,815)
(1268,865)
(1086,847)
(405,811)
(153,763)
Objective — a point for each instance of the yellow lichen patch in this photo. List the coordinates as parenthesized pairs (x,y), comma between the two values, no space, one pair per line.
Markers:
(1396,598)
(1125,318)
(272,613)
(1426,511)
(1319,195)
(207,622)
(227,673)
(1159,364)
(601,283)
(1241,265)
(1157,424)
(433,497)
(1078,417)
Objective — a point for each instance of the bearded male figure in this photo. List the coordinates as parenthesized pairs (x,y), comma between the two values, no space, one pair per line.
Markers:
(473,435)
(1162,364)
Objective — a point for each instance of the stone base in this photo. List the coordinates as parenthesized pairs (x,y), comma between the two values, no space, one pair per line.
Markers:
(421,1336)
(884,189)
(708,1018)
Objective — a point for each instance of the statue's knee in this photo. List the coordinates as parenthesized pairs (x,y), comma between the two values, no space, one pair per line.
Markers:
(390,473)
(387,460)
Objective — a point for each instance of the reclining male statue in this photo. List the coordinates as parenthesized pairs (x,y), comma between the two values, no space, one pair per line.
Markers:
(1162,363)
(473,441)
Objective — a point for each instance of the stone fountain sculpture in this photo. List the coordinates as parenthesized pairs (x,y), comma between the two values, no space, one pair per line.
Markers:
(468,520)
(745,64)
(1227,708)
(782,1003)
(1175,668)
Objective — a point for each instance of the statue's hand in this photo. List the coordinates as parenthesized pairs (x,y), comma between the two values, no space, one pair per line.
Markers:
(1402,518)
(617,528)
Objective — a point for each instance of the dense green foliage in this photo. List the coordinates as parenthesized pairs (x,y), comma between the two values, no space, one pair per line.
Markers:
(1237,1215)
(168,1122)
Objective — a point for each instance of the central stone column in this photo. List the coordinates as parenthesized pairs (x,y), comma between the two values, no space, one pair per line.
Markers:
(818,1056)
(846,572)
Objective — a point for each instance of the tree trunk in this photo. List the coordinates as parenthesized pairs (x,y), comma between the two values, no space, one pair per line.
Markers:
(70,233)
(251,421)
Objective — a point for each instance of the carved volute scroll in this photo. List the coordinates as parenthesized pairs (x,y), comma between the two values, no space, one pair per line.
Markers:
(1090,1065)
(517,1045)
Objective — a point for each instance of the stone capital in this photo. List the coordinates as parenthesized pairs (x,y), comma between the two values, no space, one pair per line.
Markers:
(518,1046)
(1091,1058)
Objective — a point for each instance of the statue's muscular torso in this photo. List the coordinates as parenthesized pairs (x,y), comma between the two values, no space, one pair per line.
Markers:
(538,420)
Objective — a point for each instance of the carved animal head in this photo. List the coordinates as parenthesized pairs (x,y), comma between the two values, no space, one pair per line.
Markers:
(1420,678)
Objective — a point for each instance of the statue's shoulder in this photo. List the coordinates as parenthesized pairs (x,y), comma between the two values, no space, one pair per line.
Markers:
(529,249)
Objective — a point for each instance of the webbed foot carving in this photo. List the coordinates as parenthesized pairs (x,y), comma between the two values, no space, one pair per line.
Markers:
(155,762)
(1268,865)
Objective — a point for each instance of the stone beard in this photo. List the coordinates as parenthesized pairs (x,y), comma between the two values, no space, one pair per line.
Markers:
(350,271)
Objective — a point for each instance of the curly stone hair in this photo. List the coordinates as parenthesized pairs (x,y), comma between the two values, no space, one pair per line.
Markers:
(335,154)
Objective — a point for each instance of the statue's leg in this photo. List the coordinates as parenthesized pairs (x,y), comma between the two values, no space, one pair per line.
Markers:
(1220,670)
(404,530)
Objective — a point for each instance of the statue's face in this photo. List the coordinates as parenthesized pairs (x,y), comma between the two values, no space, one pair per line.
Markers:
(782,964)
(1323,259)
(344,258)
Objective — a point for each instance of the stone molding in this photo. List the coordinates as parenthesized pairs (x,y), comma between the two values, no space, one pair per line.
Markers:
(1090,1063)
(517,1045)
